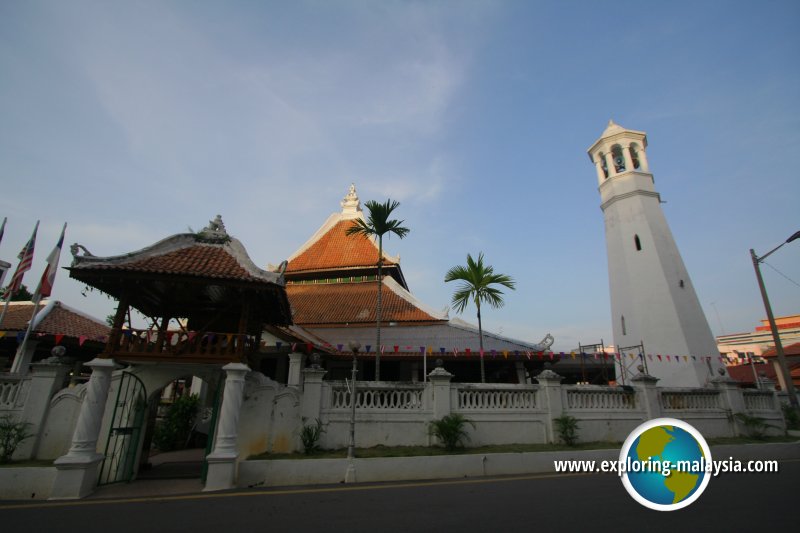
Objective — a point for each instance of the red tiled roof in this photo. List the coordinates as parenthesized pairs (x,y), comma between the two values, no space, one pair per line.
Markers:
(18,315)
(336,249)
(350,303)
(792,349)
(59,320)
(198,260)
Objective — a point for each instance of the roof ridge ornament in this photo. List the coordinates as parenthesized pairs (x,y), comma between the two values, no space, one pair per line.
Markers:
(350,203)
(214,232)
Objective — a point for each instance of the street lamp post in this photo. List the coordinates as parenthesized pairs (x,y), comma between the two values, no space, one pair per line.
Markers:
(784,368)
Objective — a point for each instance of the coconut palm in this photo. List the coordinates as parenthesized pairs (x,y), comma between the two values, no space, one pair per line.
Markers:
(378,224)
(478,285)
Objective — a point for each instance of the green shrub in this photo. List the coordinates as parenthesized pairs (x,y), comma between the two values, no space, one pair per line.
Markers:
(310,435)
(174,431)
(790,416)
(755,426)
(11,435)
(567,427)
(450,430)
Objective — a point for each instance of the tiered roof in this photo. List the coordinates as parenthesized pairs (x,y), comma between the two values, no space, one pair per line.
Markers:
(333,290)
(330,253)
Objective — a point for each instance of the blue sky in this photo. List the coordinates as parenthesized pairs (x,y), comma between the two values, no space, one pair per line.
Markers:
(133,121)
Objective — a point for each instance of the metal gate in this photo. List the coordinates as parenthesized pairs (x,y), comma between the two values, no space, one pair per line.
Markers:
(125,432)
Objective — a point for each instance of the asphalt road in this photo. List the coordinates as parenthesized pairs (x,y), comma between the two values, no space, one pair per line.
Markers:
(732,502)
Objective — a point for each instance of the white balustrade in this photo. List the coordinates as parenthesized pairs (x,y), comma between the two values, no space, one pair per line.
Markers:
(756,400)
(378,397)
(472,398)
(694,399)
(600,398)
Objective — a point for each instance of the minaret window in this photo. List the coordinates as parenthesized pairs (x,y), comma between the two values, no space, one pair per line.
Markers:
(638,243)
(619,159)
(603,164)
(635,156)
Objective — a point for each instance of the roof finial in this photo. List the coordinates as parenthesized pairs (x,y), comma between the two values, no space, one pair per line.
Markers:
(350,203)
(215,231)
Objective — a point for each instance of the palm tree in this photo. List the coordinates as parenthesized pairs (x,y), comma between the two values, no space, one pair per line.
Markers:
(477,286)
(377,225)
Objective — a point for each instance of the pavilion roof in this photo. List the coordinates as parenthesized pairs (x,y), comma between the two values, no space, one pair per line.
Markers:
(188,274)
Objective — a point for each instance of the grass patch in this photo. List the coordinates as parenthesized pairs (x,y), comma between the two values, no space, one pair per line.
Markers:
(414,451)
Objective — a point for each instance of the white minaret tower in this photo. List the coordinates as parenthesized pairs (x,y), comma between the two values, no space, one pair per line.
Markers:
(653,302)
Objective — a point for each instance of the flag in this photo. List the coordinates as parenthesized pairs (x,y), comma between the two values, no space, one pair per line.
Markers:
(49,275)
(25,260)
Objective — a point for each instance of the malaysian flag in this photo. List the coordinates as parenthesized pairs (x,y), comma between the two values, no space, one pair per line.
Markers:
(25,260)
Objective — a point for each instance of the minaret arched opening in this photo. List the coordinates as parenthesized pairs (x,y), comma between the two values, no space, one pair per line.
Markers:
(618,158)
(603,164)
(637,164)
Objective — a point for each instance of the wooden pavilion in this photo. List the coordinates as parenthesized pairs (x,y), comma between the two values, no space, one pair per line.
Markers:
(206,299)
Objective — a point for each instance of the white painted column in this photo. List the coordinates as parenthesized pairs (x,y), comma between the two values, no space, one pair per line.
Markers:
(222,459)
(601,176)
(311,404)
(77,471)
(612,169)
(550,396)
(643,165)
(439,379)
(295,369)
(646,390)
(626,155)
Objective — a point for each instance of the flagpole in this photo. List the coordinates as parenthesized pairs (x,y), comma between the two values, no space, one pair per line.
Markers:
(9,289)
(5,308)
(20,355)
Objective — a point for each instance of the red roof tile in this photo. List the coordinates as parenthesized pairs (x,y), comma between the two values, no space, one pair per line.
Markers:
(57,320)
(350,303)
(336,249)
(198,260)
(792,349)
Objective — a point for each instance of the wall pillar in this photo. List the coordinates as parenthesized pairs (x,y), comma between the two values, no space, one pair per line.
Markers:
(311,404)
(222,459)
(732,400)
(550,396)
(46,380)
(296,361)
(647,391)
(77,471)
(439,380)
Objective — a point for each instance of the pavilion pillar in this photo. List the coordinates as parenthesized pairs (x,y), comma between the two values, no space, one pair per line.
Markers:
(77,471)
(222,459)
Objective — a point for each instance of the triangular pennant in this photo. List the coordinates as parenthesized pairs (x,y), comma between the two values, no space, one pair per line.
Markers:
(441,350)
(339,347)
(59,338)
(368,347)
(82,339)
(396,348)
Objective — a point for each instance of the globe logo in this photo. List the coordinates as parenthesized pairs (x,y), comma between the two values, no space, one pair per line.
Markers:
(664,464)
